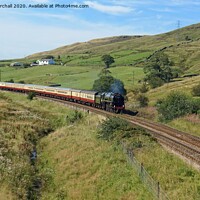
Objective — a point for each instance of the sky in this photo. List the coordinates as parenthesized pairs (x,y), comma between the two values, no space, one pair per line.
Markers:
(28,30)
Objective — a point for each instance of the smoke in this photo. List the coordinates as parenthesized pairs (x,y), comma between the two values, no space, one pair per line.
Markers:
(118,87)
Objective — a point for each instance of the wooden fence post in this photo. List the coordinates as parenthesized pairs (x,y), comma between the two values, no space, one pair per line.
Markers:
(158,194)
(141,170)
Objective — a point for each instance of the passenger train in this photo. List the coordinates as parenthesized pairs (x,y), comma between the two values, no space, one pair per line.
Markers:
(112,102)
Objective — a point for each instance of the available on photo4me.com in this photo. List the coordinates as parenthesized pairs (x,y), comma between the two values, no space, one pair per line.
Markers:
(43,6)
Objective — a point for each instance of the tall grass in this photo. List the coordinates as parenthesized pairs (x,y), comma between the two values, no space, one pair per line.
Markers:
(84,167)
(73,164)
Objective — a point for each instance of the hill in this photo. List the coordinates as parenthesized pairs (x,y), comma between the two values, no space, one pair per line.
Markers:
(182,46)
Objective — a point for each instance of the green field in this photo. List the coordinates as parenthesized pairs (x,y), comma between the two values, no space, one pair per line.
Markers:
(72,77)
(124,57)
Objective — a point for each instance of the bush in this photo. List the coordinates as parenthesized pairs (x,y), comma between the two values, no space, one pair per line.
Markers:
(196,90)
(196,106)
(31,95)
(176,104)
(143,100)
(155,82)
(22,82)
(10,81)
(119,130)
(75,116)
(109,127)
(144,88)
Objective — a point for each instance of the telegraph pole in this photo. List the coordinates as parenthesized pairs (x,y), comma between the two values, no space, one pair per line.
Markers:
(0,75)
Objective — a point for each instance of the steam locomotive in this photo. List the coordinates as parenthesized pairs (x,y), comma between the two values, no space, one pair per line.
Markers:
(112,102)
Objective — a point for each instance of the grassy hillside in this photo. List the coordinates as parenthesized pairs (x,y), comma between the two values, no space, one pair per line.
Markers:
(72,163)
(184,85)
(138,43)
(182,46)
(189,123)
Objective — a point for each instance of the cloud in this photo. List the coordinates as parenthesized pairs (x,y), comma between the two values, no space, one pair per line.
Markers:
(109,9)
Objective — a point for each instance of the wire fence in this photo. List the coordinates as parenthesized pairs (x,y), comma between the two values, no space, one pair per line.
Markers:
(151,184)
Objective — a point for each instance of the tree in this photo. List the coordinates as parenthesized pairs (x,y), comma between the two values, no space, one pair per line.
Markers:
(103,83)
(155,81)
(158,71)
(104,72)
(49,57)
(109,84)
(176,104)
(108,60)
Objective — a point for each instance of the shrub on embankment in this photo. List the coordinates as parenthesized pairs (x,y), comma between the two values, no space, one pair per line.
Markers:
(196,90)
(120,131)
(177,104)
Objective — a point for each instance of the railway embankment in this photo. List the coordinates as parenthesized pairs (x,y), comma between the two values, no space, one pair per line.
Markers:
(73,163)
(21,128)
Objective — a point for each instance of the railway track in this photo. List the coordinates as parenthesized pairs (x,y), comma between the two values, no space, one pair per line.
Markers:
(184,144)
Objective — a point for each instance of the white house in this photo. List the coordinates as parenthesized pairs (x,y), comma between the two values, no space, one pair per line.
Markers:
(46,62)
